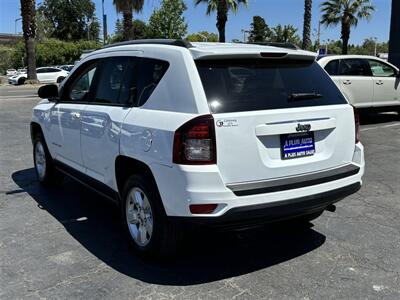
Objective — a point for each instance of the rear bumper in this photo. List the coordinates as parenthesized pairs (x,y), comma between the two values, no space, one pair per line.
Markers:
(182,186)
(254,215)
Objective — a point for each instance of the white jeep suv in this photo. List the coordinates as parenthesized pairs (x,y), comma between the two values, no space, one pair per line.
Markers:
(213,134)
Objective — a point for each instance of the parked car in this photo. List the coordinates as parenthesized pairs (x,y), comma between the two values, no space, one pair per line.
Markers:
(217,135)
(67,68)
(10,72)
(366,81)
(44,75)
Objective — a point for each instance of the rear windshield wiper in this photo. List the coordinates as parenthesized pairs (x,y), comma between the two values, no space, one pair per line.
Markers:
(303,96)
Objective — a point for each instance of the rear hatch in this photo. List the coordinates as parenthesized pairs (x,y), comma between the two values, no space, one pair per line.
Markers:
(276,118)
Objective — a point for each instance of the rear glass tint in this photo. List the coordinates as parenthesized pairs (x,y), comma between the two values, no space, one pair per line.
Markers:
(257,84)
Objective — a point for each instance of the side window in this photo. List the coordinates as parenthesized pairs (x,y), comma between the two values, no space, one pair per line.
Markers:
(150,73)
(80,87)
(52,70)
(112,79)
(332,67)
(380,69)
(354,67)
(38,71)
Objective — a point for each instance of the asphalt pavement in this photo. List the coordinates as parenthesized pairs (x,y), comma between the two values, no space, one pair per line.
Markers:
(66,242)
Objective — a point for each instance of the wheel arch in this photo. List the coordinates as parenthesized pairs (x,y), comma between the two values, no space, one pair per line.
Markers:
(35,128)
(126,166)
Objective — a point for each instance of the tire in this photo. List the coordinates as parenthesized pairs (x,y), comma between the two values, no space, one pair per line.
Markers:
(21,81)
(147,227)
(60,79)
(44,166)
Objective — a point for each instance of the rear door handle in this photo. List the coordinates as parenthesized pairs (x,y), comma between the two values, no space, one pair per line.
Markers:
(347,82)
(380,82)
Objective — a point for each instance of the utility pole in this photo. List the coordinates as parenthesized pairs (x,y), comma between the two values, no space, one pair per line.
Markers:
(104,24)
(16,20)
(89,22)
(245,32)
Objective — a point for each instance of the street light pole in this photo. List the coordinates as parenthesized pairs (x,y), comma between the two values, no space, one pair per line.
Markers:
(16,20)
(375,45)
(245,32)
(104,24)
(89,22)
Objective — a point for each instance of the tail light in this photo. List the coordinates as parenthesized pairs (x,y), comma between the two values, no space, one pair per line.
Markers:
(357,124)
(194,142)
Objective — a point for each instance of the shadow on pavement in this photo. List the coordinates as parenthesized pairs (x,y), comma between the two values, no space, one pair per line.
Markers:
(205,257)
(368,117)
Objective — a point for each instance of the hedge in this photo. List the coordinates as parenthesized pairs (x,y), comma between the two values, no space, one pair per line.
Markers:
(49,52)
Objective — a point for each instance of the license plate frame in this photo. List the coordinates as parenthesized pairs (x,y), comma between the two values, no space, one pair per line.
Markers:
(297,145)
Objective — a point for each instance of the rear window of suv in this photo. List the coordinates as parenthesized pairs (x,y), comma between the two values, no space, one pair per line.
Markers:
(257,84)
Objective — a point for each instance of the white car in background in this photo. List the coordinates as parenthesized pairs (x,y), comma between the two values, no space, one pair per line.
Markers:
(44,75)
(366,81)
(10,72)
(67,68)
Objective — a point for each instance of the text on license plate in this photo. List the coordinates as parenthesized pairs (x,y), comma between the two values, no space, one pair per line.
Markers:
(297,145)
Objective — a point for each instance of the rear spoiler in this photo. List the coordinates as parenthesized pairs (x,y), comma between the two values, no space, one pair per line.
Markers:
(276,44)
(298,55)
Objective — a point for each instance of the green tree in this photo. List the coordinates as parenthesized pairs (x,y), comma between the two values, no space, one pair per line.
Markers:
(285,34)
(8,56)
(334,47)
(222,7)
(202,36)
(127,7)
(168,21)
(139,31)
(119,27)
(28,12)
(44,28)
(347,13)
(307,24)
(260,31)
(368,47)
(57,52)
(71,19)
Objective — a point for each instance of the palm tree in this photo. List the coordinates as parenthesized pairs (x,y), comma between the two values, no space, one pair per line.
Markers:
(394,43)
(307,24)
(346,12)
(28,11)
(127,7)
(222,7)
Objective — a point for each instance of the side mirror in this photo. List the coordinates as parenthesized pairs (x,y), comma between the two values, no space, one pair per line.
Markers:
(49,92)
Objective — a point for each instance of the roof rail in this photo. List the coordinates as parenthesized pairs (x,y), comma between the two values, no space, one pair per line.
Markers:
(276,44)
(171,42)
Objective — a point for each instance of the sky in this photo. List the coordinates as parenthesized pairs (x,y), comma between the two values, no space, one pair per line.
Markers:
(273,11)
